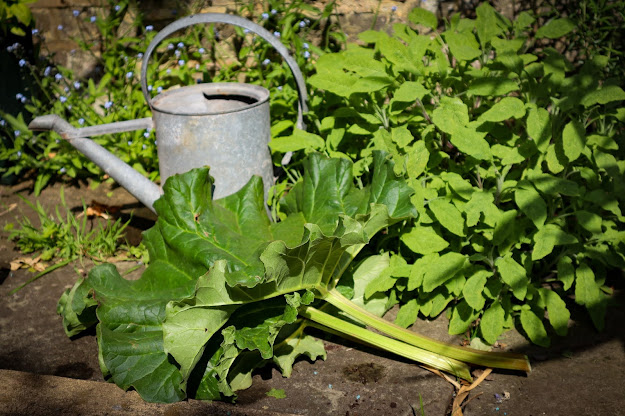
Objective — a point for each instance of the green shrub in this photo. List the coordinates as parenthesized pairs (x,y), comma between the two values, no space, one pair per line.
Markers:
(516,160)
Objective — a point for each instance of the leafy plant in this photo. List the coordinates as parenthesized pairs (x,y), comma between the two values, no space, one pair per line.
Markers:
(200,54)
(227,290)
(516,162)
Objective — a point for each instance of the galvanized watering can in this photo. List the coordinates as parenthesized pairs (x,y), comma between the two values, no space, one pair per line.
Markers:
(223,125)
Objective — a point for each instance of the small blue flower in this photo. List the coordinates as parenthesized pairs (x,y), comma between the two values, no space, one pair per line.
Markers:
(170,46)
(3,123)
(46,72)
(75,13)
(149,28)
(274,11)
(358,397)
(150,88)
(394,8)
(140,55)
(66,89)
(276,34)
(143,146)
(265,16)
(108,104)
(69,107)
(62,170)
(159,90)
(57,141)
(34,32)
(197,67)
(266,62)
(118,7)
(146,134)
(60,27)
(19,152)
(92,19)
(129,75)
(305,45)
(62,98)
(279,87)
(302,24)
(23,100)
(155,142)
(246,31)
(181,62)
(201,50)
(177,53)
(168,71)
(17,133)
(180,45)
(81,121)
(129,142)
(76,85)
(306,54)
(58,77)
(19,96)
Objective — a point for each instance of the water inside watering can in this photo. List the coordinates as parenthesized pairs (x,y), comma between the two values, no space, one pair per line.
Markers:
(206,99)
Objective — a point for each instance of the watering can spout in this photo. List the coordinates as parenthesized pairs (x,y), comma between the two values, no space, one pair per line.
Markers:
(138,185)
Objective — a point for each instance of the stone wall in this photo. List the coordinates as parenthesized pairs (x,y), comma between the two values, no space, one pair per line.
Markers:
(58,25)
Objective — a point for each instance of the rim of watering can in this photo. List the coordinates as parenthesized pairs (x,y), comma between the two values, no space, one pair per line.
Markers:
(236,21)
(260,94)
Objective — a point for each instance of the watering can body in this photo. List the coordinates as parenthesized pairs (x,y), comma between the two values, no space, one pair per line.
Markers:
(225,126)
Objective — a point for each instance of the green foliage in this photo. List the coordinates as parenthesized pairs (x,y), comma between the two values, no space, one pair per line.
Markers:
(200,54)
(15,16)
(68,236)
(225,286)
(516,158)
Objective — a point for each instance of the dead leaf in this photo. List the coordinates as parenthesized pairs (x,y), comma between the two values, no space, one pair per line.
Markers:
(9,209)
(28,262)
(463,393)
(51,155)
(97,209)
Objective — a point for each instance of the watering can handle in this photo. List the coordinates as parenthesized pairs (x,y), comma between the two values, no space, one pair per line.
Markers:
(236,21)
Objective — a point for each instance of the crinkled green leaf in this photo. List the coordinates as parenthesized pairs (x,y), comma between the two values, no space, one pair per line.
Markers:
(508,107)
(462,45)
(407,314)
(482,203)
(442,269)
(555,28)
(534,328)
(423,17)
(559,315)
(448,216)
(491,324)
(553,185)
(492,86)
(417,159)
(487,23)
(604,95)
(409,92)
(539,127)
(462,317)
(417,272)
(589,221)
(588,293)
(547,238)
(423,240)
(299,140)
(531,203)
(566,272)
(573,140)
(474,287)
(514,275)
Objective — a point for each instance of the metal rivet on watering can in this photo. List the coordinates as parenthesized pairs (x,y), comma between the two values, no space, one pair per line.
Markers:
(222,125)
